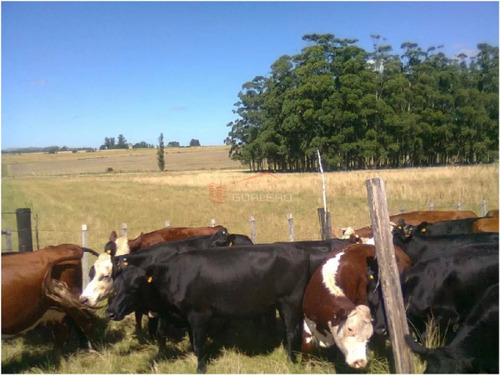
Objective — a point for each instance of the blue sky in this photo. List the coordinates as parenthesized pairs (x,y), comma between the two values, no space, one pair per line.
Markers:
(74,73)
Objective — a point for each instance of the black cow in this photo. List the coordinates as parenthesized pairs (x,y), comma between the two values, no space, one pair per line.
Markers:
(419,247)
(440,228)
(195,286)
(445,286)
(474,349)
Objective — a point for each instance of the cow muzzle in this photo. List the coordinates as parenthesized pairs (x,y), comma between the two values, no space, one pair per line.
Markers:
(358,364)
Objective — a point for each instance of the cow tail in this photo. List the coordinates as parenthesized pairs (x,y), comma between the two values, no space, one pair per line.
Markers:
(58,291)
(86,250)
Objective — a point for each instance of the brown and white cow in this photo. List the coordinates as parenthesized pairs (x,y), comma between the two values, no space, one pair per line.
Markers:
(42,287)
(335,303)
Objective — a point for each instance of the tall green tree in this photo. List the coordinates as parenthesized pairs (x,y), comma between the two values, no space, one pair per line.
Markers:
(161,153)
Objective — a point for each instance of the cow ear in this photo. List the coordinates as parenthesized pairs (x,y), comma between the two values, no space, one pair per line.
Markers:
(113,236)
(151,273)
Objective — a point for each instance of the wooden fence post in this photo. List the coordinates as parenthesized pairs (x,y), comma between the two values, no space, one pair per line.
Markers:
(23,217)
(85,258)
(290,227)
(167,223)
(252,229)
(321,218)
(389,275)
(36,233)
(124,229)
(431,206)
(212,223)
(459,206)
(328,226)
(402,209)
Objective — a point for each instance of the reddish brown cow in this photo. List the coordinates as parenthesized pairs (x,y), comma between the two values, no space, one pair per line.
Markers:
(492,213)
(417,217)
(486,225)
(43,287)
(335,303)
(146,240)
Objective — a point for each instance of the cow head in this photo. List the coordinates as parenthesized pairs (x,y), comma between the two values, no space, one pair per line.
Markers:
(117,245)
(129,285)
(440,360)
(101,284)
(352,335)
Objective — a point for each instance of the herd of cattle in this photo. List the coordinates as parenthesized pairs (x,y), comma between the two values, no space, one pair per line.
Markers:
(326,292)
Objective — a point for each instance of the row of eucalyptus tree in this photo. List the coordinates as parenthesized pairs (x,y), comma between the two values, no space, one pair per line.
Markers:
(368,109)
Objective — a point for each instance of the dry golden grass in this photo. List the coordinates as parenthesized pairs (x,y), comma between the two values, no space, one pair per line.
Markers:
(66,192)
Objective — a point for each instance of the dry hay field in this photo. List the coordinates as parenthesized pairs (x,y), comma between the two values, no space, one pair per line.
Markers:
(66,190)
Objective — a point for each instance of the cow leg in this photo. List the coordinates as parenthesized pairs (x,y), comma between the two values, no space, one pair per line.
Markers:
(293,327)
(198,323)
(84,322)
(138,323)
(61,333)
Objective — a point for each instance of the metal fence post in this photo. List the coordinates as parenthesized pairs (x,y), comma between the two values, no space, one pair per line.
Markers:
(290,227)
(85,259)
(124,229)
(252,229)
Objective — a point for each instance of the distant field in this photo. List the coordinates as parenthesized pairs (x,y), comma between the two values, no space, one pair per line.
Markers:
(67,190)
(135,160)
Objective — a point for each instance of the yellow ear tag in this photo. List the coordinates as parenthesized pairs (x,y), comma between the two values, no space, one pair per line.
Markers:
(150,279)
(230,244)
(371,277)
(423,230)
(108,251)
(125,263)
(400,227)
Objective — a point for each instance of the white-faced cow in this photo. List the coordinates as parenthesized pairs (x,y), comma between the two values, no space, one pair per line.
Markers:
(335,303)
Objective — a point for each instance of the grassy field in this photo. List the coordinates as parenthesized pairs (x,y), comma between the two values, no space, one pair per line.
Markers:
(67,190)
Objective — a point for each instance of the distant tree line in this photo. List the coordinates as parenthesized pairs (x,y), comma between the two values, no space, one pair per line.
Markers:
(111,143)
(368,109)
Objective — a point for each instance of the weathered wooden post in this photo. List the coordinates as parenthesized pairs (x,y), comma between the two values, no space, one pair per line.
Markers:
(212,223)
(389,275)
(23,217)
(252,229)
(36,233)
(85,258)
(290,227)
(459,206)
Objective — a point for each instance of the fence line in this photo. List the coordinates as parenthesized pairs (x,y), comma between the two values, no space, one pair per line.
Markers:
(325,230)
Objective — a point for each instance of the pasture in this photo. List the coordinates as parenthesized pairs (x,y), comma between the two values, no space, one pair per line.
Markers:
(67,190)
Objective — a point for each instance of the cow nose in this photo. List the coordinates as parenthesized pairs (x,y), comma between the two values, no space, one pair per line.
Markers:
(360,363)
(84,300)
